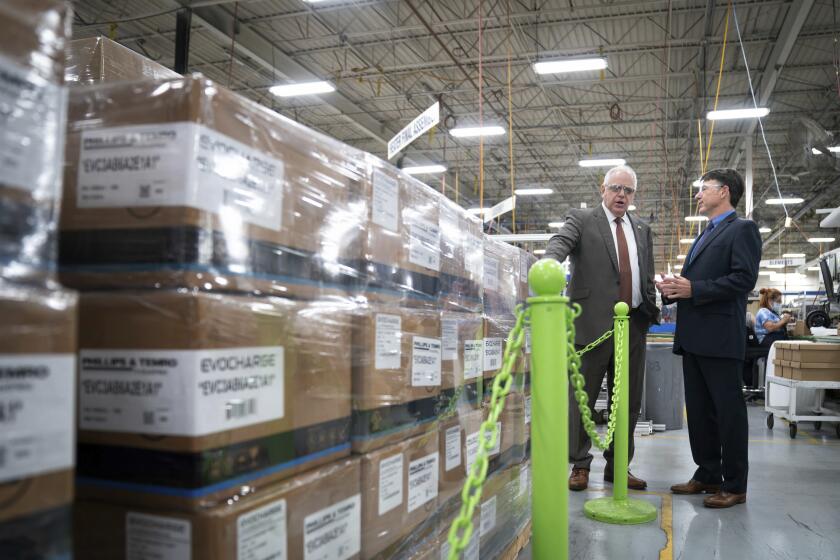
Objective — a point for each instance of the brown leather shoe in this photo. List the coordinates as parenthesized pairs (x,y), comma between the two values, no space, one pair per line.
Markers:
(695,487)
(724,499)
(633,483)
(579,480)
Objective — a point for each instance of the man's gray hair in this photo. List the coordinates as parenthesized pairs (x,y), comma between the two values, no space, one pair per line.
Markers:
(621,169)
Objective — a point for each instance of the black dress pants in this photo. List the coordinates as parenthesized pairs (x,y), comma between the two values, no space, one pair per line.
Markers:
(717,421)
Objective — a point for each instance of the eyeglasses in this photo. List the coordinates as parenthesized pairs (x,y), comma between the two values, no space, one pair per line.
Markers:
(618,188)
(704,188)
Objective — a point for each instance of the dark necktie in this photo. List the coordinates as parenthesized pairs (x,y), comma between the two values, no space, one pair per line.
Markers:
(625,274)
(702,241)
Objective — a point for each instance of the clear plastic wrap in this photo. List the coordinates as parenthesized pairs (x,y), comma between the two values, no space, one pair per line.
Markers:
(505,509)
(98,59)
(187,398)
(181,183)
(33,106)
(37,409)
(317,514)
(461,259)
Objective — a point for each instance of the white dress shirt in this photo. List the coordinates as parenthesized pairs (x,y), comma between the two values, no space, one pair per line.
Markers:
(631,249)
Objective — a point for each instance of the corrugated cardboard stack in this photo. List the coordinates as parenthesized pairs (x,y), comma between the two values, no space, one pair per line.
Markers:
(37,318)
(808,361)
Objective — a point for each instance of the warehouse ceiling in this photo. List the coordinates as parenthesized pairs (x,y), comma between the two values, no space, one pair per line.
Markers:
(391,59)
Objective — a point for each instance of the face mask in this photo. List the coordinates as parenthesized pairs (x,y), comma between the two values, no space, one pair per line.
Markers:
(777,308)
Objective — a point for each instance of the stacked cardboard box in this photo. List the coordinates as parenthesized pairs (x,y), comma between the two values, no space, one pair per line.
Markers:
(808,361)
(98,59)
(37,319)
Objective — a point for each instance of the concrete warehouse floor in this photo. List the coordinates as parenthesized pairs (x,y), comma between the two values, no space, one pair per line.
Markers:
(792,509)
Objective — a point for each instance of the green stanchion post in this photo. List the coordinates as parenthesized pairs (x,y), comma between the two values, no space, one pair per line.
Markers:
(549,414)
(619,508)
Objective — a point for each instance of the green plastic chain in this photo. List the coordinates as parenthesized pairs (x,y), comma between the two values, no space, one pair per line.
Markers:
(578,382)
(462,528)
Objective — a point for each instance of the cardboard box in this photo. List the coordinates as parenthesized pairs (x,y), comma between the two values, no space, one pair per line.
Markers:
(801,329)
(401,258)
(182,183)
(501,278)
(98,59)
(315,514)
(189,397)
(804,371)
(496,331)
(448,516)
(811,352)
(461,259)
(396,374)
(400,496)
(37,382)
(31,135)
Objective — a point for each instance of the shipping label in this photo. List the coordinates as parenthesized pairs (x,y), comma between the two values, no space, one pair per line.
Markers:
(450,234)
(449,339)
(334,533)
(425,362)
(37,394)
(261,533)
(385,207)
(472,442)
(491,273)
(422,481)
(390,483)
(453,448)
(388,335)
(424,244)
(492,354)
(528,409)
(488,516)
(155,537)
(180,392)
(180,164)
(474,255)
(473,358)
(33,115)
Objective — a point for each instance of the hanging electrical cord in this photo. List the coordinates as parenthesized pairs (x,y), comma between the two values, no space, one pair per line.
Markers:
(717,90)
(760,123)
(510,122)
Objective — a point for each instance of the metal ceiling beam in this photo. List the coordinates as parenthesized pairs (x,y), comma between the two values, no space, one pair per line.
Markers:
(824,194)
(251,44)
(791,28)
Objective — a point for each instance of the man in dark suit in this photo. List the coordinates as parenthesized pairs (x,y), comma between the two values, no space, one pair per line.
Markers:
(720,270)
(611,253)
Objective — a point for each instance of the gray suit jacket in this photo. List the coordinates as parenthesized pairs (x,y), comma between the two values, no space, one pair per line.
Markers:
(588,242)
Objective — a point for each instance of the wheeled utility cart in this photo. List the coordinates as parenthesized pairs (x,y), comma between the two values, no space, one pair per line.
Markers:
(818,415)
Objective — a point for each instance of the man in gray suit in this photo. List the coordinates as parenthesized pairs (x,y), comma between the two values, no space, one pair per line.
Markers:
(611,253)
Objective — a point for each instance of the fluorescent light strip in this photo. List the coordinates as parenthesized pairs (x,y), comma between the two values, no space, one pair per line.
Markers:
(476,131)
(775,266)
(424,169)
(821,240)
(305,88)
(814,268)
(601,162)
(728,114)
(786,200)
(764,230)
(696,218)
(764,273)
(527,192)
(574,65)
(539,251)
(556,224)
(632,207)
(680,257)
(478,211)
(833,149)
(687,241)
(697,183)
(518,237)
(793,255)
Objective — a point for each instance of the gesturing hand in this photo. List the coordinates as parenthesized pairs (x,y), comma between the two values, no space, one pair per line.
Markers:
(675,287)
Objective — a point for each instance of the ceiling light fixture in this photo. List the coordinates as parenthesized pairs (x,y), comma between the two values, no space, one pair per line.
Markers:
(476,131)
(696,218)
(529,192)
(424,169)
(687,241)
(697,183)
(632,207)
(833,149)
(539,251)
(607,162)
(478,211)
(305,88)
(728,114)
(764,230)
(574,65)
(519,237)
(556,224)
(820,240)
(814,268)
(764,273)
(793,255)
(785,200)
(680,257)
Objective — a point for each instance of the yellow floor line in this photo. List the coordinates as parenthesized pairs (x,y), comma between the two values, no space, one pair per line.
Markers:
(667,525)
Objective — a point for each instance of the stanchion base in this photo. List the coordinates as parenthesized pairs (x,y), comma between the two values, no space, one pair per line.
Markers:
(621,512)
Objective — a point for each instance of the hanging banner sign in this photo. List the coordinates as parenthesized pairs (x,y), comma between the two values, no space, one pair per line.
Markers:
(776,263)
(506,205)
(427,119)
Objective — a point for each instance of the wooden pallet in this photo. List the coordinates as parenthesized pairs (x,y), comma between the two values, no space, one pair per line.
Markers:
(522,539)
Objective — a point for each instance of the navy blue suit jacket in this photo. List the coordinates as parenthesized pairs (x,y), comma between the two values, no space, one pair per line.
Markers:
(713,321)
